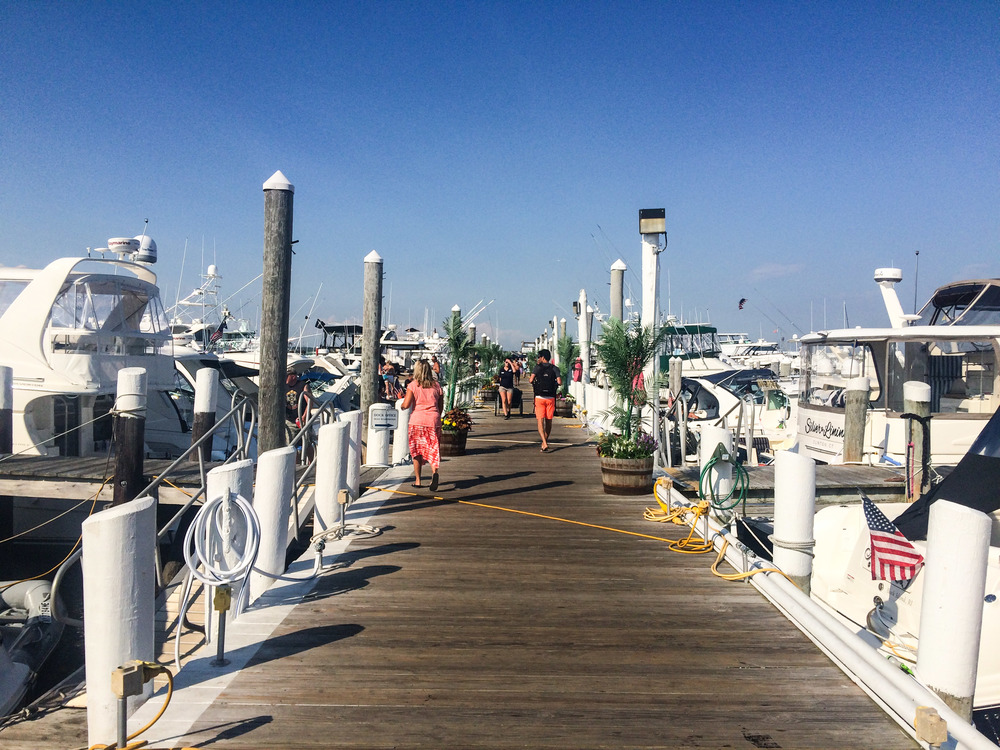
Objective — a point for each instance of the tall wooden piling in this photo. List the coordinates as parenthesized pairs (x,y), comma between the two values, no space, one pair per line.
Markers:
(130,434)
(278,194)
(371,317)
(917,403)
(854,420)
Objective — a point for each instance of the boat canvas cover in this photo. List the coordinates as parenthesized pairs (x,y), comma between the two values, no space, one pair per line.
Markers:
(973,483)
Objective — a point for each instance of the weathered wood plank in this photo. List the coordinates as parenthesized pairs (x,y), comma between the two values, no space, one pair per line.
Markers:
(469,626)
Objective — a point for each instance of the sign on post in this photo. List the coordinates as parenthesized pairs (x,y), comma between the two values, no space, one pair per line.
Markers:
(383,417)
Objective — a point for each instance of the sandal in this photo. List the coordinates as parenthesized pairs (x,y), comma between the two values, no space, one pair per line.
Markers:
(434,482)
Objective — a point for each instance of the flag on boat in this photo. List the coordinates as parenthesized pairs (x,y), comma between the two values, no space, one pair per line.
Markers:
(893,557)
(743,301)
(217,334)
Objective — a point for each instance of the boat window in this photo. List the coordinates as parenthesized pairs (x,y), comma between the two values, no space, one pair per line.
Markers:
(9,291)
(827,369)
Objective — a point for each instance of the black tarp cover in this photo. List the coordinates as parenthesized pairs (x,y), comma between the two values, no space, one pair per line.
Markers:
(975,483)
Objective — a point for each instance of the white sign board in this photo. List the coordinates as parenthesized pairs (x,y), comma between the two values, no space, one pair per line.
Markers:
(383,417)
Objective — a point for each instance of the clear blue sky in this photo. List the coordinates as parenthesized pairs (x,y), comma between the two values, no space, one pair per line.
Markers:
(502,150)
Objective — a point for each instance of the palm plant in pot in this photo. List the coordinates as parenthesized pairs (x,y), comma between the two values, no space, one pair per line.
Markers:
(456,422)
(568,352)
(627,450)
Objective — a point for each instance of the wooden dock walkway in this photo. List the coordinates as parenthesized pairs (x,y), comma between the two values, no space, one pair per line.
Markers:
(519,607)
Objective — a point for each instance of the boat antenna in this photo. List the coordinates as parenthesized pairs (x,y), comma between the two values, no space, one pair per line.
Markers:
(916,270)
(177,300)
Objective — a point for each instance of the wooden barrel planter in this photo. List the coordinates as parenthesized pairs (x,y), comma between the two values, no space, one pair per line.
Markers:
(453,443)
(564,408)
(627,476)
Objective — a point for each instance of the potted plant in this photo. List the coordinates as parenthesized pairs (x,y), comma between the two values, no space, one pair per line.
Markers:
(627,451)
(564,404)
(455,426)
(568,352)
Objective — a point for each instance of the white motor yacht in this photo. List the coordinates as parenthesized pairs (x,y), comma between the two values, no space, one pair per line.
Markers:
(66,330)
(952,346)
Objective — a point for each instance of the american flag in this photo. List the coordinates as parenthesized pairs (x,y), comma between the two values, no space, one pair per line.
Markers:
(893,557)
(217,334)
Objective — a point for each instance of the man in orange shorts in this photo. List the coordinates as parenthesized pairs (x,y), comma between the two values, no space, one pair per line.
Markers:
(545,379)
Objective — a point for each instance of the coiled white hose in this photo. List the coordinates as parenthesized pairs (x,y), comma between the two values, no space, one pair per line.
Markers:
(208,544)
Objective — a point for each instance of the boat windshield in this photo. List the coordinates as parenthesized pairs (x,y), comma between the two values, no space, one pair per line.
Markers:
(968,303)
(109,305)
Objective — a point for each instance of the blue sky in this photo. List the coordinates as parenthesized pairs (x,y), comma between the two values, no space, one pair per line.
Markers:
(502,150)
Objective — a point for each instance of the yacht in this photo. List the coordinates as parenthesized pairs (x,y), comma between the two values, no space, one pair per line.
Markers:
(67,329)
(952,345)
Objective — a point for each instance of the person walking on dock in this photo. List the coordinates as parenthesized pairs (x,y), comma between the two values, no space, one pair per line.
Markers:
(425,397)
(545,379)
(505,388)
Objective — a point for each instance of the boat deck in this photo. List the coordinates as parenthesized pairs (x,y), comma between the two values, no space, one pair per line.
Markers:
(516,607)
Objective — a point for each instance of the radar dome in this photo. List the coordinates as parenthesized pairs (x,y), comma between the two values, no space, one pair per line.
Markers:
(147,250)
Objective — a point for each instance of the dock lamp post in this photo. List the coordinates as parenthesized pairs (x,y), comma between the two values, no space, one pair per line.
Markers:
(652,224)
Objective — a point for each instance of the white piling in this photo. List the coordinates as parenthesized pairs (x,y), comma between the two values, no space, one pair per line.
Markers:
(794,510)
(332,460)
(951,613)
(378,435)
(353,418)
(618,269)
(6,410)
(721,475)
(235,478)
(205,401)
(118,583)
(272,500)
(401,435)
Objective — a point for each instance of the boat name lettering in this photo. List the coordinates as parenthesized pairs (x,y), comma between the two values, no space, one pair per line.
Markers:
(828,430)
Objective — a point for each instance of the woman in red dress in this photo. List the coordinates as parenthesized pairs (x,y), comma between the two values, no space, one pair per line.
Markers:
(425,397)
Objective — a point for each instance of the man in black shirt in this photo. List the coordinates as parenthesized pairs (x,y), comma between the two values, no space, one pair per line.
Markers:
(545,379)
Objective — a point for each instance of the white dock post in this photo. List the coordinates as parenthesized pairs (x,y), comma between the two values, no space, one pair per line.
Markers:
(206,386)
(794,511)
(272,500)
(378,435)
(721,476)
(235,478)
(353,418)
(618,269)
(118,583)
(332,461)
(6,410)
(401,435)
(951,613)
(854,419)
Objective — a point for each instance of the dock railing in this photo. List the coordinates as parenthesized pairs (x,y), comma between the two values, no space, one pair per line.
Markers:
(244,413)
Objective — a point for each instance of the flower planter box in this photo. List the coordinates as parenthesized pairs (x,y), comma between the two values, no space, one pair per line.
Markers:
(627,476)
(453,443)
